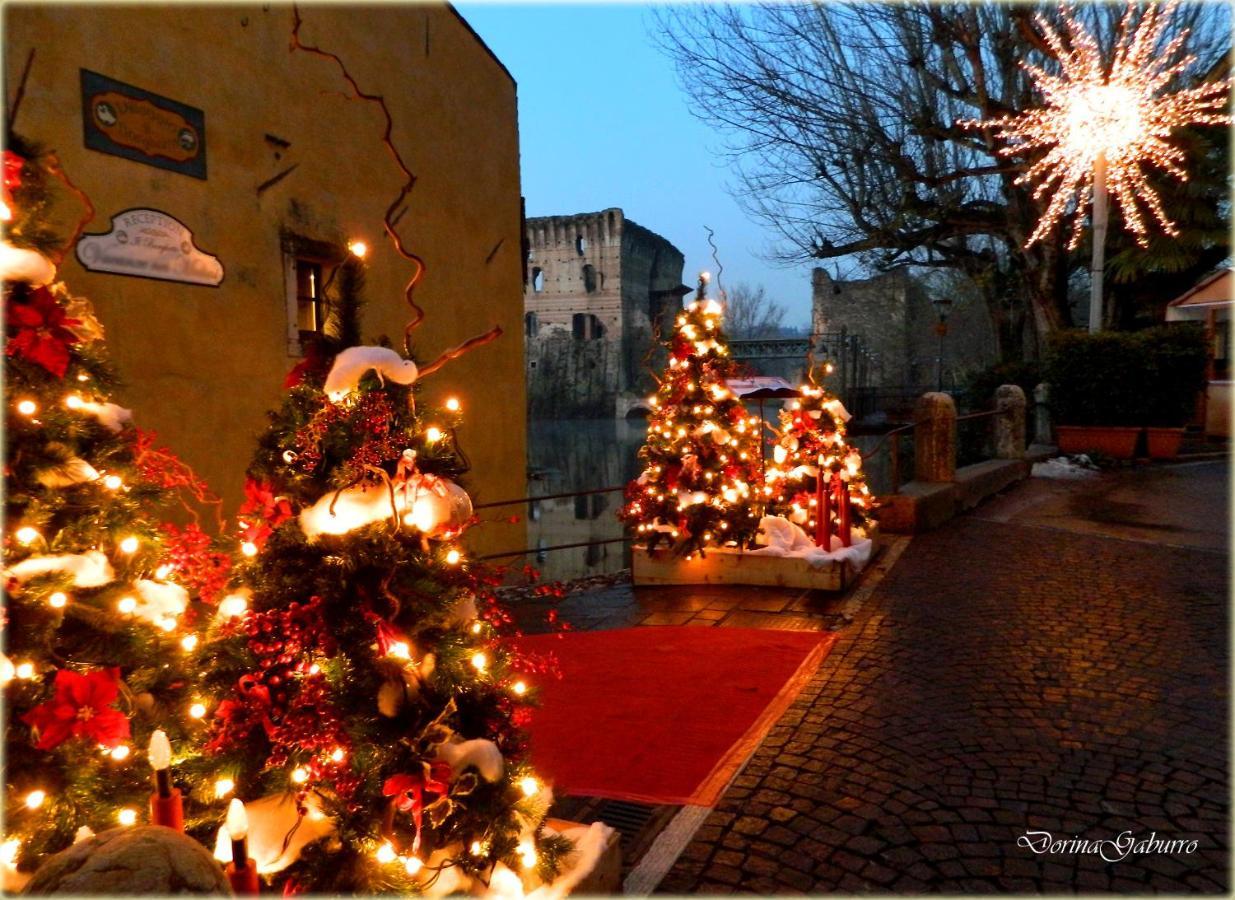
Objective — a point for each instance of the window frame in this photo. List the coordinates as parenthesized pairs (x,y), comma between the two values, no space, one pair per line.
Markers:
(327,257)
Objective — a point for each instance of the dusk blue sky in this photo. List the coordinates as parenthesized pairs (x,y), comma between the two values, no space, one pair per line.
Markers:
(602,122)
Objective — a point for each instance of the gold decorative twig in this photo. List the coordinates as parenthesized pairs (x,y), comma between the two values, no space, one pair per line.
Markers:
(53,166)
(21,89)
(409,180)
(471,343)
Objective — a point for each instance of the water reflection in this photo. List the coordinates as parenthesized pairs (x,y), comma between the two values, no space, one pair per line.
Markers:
(578,455)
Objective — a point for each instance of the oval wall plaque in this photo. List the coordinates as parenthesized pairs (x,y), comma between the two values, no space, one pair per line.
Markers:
(148,243)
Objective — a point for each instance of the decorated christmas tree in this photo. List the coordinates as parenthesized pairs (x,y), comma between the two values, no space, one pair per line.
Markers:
(361,702)
(97,622)
(701,458)
(816,474)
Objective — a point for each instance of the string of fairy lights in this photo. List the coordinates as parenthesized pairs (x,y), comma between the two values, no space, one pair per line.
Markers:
(1111,113)
(235,604)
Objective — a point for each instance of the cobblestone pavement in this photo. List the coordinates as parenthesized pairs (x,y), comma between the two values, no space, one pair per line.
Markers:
(1003,678)
(624,606)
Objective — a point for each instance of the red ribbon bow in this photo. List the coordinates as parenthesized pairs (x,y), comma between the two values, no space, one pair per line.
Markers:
(13,164)
(257,696)
(408,792)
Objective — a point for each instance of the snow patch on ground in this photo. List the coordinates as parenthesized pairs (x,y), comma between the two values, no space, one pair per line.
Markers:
(1066,467)
(785,539)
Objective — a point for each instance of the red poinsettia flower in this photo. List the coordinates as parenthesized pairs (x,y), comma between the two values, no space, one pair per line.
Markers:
(262,511)
(312,368)
(42,331)
(82,707)
(260,498)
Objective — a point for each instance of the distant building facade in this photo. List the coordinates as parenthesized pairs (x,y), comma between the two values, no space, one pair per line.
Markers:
(599,288)
(892,313)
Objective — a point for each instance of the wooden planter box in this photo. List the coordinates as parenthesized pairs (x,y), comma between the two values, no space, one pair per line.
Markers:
(1115,441)
(606,876)
(664,567)
(1164,443)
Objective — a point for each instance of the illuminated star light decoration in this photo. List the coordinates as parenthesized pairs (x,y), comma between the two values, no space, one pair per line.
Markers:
(1121,115)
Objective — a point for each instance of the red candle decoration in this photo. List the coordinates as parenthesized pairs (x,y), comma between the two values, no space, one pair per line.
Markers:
(823,513)
(842,505)
(241,871)
(166,805)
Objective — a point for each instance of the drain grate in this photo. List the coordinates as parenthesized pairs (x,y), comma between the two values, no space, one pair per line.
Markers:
(627,818)
(637,824)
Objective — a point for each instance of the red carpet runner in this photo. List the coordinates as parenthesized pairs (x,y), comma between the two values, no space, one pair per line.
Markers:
(663,714)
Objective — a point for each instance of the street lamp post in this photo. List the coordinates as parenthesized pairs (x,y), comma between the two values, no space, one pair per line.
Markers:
(943,306)
(1098,259)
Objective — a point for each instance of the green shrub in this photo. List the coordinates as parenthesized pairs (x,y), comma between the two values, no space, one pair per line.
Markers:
(1177,359)
(1146,377)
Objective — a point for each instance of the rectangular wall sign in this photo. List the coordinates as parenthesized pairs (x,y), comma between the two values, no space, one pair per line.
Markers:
(127,121)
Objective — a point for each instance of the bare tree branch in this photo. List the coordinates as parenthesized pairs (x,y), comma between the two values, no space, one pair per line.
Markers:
(842,123)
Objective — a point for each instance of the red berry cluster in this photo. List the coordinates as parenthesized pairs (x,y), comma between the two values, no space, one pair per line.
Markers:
(287,696)
(371,418)
(201,570)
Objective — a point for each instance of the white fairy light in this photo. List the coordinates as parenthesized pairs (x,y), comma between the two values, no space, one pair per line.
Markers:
(1120,113)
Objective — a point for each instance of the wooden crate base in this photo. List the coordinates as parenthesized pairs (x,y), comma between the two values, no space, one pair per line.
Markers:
(742,568)
(606,875)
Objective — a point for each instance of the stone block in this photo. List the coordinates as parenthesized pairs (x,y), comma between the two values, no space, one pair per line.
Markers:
(977,482)
(1010,423)
(727,566)
(920,506)
(934,438)
(127,862)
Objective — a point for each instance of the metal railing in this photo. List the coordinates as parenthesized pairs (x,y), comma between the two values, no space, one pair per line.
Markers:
(890,438)
(559,496)
(893,439)
(970,449)
(522,500)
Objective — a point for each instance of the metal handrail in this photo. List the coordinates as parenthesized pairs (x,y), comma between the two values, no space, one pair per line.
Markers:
(527,550)
(985,414)
(887,434)
(522,500)
(892,434)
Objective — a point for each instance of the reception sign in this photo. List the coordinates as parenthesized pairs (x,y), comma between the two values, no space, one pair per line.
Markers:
(147,243)
(136,124)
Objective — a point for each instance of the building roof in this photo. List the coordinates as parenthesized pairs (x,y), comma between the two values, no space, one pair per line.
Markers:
(763,387)
(489,50)
(1215,289)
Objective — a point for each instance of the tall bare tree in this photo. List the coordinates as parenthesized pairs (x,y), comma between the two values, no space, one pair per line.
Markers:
(843,121)
(749,313)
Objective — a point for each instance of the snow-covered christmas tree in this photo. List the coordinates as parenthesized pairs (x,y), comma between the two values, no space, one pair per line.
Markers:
(97,621)
(361,701)
(816,474)
(701,458)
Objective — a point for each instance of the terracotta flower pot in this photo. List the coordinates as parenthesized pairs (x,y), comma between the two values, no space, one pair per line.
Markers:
(1164,442)
(1115,441)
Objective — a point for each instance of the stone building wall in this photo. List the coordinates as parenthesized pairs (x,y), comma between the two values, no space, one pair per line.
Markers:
(598,285)
(893,315)
(201,365)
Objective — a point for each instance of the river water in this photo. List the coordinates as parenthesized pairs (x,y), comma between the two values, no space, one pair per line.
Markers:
(585,454)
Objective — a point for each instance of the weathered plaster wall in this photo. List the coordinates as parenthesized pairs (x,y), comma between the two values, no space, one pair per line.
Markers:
(893,315)
(202,365)
(879,310)
(603,265)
